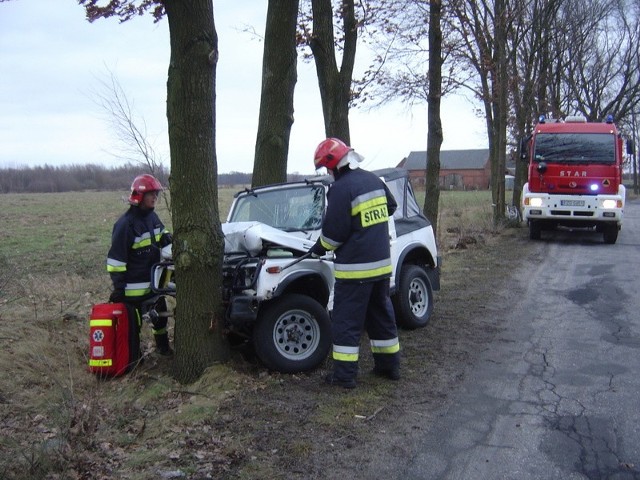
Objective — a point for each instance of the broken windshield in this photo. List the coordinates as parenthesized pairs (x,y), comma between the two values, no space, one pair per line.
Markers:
(297,208)
(575,148)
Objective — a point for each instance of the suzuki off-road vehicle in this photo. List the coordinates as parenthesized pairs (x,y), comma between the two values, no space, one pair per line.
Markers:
(279,299)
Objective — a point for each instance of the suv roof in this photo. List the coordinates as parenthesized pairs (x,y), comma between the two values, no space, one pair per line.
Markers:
(408,217)
(287,212)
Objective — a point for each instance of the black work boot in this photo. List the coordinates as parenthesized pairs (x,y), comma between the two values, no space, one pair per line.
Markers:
(390,373)
(386,366)
(162,345)
(339,382)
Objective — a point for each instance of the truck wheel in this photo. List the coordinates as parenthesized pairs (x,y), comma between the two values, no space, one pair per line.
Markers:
(413,300)
(610,234)
(293,334)
(534,230)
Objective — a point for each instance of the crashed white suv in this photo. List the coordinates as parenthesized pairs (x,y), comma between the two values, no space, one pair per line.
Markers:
(279,299)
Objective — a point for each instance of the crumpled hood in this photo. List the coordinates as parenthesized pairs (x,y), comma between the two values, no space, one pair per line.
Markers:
(250,237)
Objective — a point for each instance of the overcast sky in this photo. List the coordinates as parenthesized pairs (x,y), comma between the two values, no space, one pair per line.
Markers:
(52,62)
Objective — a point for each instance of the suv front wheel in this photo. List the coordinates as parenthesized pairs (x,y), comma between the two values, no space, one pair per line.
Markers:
(413,300)
(293,334)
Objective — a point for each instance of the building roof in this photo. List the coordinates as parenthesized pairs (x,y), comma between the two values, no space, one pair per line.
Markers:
(449,160)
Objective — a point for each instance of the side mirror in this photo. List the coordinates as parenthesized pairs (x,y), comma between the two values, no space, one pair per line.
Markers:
(631,148)
(541,168)
(162,278)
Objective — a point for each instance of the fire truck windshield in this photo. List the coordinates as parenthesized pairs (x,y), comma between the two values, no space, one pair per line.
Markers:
(575,148)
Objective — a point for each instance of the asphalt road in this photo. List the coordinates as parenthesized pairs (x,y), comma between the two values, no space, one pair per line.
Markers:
(557,393)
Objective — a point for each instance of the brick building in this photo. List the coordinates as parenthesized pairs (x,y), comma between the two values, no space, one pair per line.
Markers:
(459,169)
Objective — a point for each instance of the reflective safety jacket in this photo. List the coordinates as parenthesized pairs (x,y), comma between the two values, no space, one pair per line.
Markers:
(356,226)
(136,240)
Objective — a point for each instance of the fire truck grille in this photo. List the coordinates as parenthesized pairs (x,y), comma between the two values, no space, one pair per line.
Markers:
(569,213)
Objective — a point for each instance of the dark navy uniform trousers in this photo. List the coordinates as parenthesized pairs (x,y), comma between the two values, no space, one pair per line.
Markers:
(360,306)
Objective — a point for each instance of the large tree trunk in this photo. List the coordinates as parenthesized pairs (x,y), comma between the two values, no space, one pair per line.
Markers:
(198,240)
(335,85)
(279,77)
(500,106)
(434,134)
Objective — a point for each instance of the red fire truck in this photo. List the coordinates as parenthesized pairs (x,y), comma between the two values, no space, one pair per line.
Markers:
(575,177)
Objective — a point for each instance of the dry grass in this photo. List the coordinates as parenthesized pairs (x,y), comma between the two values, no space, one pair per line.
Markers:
(464,218)
(58,421)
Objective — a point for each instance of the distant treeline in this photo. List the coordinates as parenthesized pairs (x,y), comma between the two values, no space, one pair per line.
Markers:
(51,179)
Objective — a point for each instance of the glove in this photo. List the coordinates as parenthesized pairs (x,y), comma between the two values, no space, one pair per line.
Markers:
(317,250)
(167,239)
(117,296)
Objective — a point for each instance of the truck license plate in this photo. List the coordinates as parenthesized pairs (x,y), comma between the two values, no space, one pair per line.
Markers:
(572,203)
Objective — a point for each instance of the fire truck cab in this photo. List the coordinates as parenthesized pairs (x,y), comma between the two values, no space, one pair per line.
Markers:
(574,177)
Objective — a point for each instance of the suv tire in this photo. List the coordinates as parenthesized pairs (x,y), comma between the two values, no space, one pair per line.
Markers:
(293,334)
(413,300)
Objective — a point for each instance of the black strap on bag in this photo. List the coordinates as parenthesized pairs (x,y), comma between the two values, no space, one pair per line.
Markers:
(135,352)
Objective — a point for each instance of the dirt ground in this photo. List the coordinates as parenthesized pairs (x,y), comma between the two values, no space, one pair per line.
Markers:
(241,421)
(366,429)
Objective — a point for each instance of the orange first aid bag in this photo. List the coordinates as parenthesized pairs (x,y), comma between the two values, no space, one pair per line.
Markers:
(114,339)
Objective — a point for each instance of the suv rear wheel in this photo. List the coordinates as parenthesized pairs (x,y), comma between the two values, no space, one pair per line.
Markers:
(293,334)
(413,300)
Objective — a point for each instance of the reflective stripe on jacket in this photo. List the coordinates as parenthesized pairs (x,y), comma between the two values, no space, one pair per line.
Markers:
(356,226)
(133,252)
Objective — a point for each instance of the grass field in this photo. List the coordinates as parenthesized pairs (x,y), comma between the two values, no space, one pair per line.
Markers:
(55,419)
(70,232)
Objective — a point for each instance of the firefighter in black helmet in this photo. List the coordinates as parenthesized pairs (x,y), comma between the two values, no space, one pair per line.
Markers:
(136,240)
(356,229)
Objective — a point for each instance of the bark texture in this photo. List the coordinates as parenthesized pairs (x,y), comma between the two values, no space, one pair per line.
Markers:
(279,76)
(434,135)
(198,241)
(334,83)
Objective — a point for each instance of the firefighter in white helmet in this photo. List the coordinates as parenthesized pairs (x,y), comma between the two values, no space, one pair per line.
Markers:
(136,240)
(356,229)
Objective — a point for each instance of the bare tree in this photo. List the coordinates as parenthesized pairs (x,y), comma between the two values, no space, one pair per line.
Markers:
(520,58)
(500,106)
(198,240)
(531,63)
(133,139)
(131,133)
(279,75)
(334,82)
(434,134)
(399,32)
(602,60)
(477,23)
(199,244)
